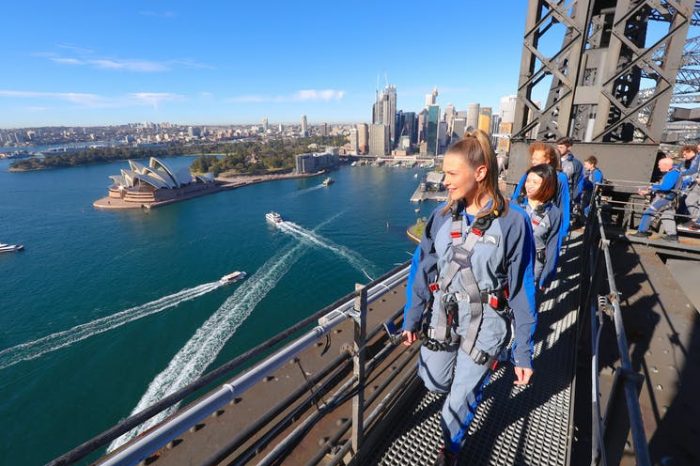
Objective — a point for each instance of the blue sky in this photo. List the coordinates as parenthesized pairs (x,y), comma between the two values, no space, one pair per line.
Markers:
(92,63)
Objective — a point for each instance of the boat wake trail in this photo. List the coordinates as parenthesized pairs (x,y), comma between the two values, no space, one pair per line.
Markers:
(55,341)
(192,359)
(306,190)
(354,259)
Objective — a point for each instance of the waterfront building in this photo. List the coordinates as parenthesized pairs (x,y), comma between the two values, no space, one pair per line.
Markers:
(354,145)
(314,162)
(156,182)
(363,138)
(379,140)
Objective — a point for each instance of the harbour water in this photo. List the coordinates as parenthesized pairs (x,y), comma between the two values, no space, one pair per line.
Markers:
(107,311)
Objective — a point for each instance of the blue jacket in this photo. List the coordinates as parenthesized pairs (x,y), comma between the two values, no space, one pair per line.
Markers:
(562,201)
(508,263)
(547,237)
(669,182)
(691,172)
(592,178)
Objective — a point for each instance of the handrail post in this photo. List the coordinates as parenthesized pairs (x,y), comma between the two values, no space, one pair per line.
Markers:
(358,366)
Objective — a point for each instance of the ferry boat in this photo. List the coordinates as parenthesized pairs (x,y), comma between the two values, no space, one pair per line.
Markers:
(328,181)
(11,247)
(232,277)
(273,217)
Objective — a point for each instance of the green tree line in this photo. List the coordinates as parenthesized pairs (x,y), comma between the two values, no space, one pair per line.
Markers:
(241,157)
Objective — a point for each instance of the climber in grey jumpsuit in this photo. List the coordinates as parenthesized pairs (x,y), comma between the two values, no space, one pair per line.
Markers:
(473,265)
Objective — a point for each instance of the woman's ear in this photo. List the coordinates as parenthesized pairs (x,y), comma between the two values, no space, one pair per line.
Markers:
(480,173)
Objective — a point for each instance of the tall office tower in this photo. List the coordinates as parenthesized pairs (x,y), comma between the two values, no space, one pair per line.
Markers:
(409,127)
(324,129)
(449,116)
(363,138)
(485,119)
(442,136)
(354,143)
(458,129)
(506,108)
(304,126)
(422,125)
(389,112)
(378,140)
(431,99)
(472,117)
(431,134)
(265,124)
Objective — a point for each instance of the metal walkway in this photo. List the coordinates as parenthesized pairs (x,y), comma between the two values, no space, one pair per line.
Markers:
(513,425)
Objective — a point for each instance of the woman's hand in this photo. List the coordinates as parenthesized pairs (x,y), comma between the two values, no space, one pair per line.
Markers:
(409,337)
(522,374)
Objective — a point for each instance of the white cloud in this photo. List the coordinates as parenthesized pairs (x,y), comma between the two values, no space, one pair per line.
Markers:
(304,95)
(144,66)
(67,61)
(88,100)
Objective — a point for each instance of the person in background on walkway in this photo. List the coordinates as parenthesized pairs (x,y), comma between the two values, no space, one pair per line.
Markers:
(664,195)
(473,265)
(690,165)
(536,200)
(592,176)
(541,152)
(572,168)
(692,204)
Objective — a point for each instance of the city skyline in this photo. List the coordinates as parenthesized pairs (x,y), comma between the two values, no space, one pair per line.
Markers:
(82,66)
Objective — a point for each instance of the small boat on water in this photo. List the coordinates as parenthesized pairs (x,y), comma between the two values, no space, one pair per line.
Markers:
(232,277)
(328,181)
(273,217)
(354,164)
(415,176)
(11,247)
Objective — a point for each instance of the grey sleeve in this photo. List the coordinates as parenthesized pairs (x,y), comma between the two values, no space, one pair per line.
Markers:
(551,249)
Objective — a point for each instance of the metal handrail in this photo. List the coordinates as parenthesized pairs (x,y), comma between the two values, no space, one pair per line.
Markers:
(104,438)
(629,377)
(170,429)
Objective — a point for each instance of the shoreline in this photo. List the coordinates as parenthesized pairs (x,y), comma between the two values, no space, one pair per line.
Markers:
(221,184)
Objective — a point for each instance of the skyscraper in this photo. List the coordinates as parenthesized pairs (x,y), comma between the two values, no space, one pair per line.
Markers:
(458,128)
(472,117)
(422,125)
(304,126)
(409,127)
(485,119)
(354,144)
(265,124)
(506,108)
(363,138)
(431,136)
(378,140)
(431,99)
(384,111)
(450,116)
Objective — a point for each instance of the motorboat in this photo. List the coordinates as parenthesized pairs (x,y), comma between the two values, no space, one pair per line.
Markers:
(328,181)
(232,277)
(11,247)
(273,217)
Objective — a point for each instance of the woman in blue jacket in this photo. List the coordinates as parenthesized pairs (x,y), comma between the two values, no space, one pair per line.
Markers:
(474,262)
(536,199)
(541,152)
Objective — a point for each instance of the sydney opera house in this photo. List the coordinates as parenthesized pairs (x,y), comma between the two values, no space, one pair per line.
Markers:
(157,182)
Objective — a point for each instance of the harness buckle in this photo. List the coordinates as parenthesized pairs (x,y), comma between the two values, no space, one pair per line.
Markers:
(494,302)
(478,232)
(456,234)
(433,287)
